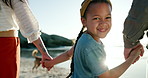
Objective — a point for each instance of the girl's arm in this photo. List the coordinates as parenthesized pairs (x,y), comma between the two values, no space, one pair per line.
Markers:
(119,70)
(61,58)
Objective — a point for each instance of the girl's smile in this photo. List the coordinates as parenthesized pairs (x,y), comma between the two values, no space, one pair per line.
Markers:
(102,30)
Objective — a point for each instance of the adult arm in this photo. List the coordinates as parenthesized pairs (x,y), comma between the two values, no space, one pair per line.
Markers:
(29,26)
(135,25)
(40,45)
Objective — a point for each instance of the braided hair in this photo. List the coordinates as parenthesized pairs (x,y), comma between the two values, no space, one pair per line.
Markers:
(9,2)
(83,11)
(72,62)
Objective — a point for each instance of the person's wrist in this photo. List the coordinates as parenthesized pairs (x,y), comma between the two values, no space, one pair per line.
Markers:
(44,53)
(52,63)
(130,43)
(131,59)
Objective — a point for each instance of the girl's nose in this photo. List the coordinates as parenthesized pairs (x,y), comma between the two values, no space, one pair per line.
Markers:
(102,23)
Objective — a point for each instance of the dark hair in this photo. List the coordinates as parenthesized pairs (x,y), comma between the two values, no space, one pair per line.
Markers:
(9,3)
(81,32)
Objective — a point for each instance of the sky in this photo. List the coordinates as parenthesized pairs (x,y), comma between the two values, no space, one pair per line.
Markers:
(62,17)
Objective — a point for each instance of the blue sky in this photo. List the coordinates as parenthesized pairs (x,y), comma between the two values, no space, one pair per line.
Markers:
(62,17)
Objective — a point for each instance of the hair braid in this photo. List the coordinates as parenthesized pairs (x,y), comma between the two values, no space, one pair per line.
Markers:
(72,62)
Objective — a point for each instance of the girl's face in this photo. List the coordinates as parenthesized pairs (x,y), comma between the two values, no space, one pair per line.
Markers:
(98,20)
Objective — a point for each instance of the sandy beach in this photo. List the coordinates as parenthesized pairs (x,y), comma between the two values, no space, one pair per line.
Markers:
(26,70)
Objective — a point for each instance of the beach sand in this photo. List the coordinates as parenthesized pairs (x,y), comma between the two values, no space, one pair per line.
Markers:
(59,72)
(26,70)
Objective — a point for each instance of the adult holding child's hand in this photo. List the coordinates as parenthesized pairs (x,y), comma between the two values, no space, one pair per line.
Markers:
(136,52)
(127,51)
(134,26)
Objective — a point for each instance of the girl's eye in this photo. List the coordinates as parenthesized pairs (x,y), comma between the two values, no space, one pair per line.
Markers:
(96,18)
(108,17)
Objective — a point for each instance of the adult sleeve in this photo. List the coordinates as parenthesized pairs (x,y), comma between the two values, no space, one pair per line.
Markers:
(28,24)
(136,23)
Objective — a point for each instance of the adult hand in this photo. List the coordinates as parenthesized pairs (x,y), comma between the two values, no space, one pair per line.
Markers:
(48,64)
(127,51)
(45,57)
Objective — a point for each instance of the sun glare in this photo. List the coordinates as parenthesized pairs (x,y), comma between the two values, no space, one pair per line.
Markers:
(113,62)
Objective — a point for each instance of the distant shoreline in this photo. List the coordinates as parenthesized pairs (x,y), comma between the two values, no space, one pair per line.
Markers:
(62,48)
(27,52)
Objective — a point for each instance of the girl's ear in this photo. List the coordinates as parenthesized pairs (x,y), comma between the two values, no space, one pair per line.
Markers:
(83,20)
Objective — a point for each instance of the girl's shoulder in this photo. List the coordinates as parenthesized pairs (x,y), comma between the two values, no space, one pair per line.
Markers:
(86,42)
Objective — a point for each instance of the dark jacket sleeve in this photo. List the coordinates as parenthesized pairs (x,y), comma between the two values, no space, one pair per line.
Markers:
(136,23)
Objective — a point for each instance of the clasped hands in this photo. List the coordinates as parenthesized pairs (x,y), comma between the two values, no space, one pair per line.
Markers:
(47,62)
(134,52)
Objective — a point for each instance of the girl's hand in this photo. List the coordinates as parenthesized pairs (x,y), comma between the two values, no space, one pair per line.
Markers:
(136,53)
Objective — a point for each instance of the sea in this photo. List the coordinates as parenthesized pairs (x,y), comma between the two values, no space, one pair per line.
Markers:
(114,58)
